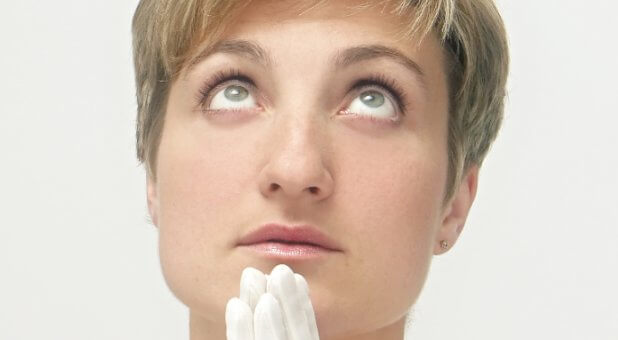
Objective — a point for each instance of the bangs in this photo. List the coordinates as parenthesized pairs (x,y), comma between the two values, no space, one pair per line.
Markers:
(179,27)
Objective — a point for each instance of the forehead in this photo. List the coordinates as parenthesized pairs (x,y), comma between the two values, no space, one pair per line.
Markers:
(276,13)
(294,29)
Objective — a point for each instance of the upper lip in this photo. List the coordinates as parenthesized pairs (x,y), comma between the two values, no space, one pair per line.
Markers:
(291,234)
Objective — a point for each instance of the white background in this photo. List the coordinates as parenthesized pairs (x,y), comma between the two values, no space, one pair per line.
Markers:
(538,258)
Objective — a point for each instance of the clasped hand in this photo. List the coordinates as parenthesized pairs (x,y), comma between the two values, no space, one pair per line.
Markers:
(271,307)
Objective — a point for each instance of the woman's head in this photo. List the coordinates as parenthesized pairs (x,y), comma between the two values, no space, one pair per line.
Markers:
(368,120)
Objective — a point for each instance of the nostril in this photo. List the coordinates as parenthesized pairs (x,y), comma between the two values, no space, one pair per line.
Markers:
(314,190)
(274,186)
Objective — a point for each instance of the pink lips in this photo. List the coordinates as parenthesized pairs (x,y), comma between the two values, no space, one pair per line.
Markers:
(279,241)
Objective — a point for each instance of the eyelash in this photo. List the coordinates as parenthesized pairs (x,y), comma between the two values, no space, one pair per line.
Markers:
(379,80)
(218,79)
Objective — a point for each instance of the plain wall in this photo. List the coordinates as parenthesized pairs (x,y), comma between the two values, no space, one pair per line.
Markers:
(538,258)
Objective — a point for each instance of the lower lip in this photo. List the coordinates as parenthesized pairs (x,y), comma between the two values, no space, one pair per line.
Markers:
(288,251)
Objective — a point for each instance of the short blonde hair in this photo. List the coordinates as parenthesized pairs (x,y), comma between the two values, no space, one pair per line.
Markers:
(167,32)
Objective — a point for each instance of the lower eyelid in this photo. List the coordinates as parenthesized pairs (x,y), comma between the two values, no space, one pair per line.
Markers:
(371,119)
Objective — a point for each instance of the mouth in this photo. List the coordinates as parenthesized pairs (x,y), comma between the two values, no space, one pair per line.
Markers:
(291,242)
(282,242)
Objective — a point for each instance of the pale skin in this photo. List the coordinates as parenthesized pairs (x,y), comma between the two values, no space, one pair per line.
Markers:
(292,154)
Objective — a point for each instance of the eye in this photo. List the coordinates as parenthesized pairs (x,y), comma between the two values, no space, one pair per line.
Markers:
(379,98)
(227,90)
(374,103)
(232,97)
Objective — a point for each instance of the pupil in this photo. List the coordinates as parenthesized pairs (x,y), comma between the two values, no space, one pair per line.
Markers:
(372,98)
(236,93)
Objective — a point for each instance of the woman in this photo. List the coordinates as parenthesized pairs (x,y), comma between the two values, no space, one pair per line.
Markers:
(356,126)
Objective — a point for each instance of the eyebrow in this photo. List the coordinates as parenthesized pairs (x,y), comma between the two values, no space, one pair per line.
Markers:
(361,53)
(342,59)
(246,48)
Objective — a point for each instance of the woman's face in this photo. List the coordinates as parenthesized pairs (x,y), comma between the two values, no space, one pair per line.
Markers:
(294,141)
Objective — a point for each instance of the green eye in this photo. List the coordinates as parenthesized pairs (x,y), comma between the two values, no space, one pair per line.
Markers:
(372,99)
(233,97)
(374,104)
(236,93)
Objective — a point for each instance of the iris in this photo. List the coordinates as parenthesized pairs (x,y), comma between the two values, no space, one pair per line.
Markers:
(372,98)
(236,93)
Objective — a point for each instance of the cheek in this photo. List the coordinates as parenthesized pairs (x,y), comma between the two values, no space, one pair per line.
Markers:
(389,204)
(399,210)
(202,172)
(200,180)
(393,191)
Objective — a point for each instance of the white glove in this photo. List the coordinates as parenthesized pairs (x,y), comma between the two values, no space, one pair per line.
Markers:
(275,307)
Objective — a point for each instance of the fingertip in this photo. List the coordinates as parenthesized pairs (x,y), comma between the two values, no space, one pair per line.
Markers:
(252,285)
(281,269)
(250,272)
(301,282)
(236,310)
(282,277)
(267,300)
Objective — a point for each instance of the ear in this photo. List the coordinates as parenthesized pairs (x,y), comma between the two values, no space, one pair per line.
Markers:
(456,211)
(152,199)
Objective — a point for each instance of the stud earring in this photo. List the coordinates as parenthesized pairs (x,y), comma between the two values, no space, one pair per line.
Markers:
(443,244)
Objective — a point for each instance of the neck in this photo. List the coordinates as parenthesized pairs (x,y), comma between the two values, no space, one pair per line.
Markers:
(203,329)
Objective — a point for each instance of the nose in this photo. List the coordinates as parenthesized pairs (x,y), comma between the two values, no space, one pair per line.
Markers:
(296,164)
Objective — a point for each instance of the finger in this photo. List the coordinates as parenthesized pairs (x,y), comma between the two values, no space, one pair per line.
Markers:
(307,306)
(268,319)
(238,320)
(252,286)
(283,287)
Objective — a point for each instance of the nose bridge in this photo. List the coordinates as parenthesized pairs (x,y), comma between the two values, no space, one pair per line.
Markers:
(299,128)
